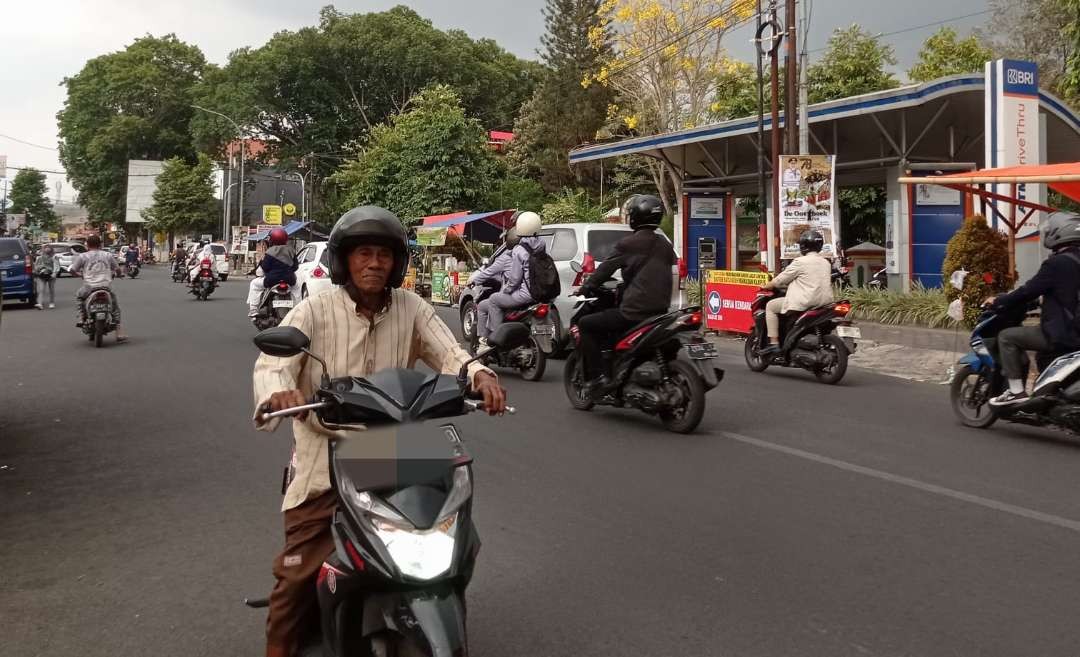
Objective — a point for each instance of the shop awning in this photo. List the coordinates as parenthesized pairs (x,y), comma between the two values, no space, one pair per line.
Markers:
(483,227)
(290,228)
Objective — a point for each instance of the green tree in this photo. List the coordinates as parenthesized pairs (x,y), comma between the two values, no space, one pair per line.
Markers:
(983,252)
(862,215)
(430,159)
(315,93)
(183,198)
(28,196)
(571,206)
(1032,31)
(129,105)
(945,53)
(854,63)
(562,114)
(1070,86)
(511,191)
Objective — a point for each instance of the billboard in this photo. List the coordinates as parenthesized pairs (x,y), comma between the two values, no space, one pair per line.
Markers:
(141,185)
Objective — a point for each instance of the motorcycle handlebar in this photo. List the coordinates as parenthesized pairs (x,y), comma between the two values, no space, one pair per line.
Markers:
(474,405)
(295,410)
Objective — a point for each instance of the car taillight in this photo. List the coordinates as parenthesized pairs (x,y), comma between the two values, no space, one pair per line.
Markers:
(318,272)
(541,311)
(684,269)
(29,264)
(588,266)
(842,309)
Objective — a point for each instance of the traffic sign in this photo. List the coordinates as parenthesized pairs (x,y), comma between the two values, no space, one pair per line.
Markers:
(272,214)
(289,209)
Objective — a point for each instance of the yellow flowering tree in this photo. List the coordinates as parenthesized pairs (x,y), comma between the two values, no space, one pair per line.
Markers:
(666,65)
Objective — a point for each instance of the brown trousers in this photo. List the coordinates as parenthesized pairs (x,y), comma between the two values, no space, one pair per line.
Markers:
(293,603)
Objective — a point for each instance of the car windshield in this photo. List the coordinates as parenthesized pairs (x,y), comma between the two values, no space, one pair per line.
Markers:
(11,249)
(602,242)
(218,249)
(60,249)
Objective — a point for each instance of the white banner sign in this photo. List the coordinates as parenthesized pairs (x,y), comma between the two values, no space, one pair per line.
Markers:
(1012,130)
(936,195)
(807,202)
(3,166)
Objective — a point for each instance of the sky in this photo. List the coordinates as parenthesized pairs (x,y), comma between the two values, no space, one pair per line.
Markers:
(46,40)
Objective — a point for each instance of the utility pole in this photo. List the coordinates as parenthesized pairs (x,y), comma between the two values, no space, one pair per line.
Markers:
(791,96)
(763,192)
(804,81)
(774,70)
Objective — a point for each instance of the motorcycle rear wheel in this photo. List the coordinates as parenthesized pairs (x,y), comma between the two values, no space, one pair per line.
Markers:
(688,417)
(755,362)
(574,383)
(833,375)
(970,399)
(99,332)
(535,370)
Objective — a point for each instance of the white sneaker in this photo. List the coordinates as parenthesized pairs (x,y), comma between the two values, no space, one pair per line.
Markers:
(52,305)
(482,343)
(38,306)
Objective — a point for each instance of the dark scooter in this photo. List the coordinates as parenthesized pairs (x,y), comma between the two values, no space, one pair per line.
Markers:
(819,340)
(98,313)
(405,543)
(273,306)
(652,367)
(1055,397)
(179,272)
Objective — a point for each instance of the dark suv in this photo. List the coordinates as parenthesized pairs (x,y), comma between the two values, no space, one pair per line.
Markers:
(16,270)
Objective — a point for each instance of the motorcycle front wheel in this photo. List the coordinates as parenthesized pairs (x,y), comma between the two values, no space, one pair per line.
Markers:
(750,352)
(534,371)
(392,645)
(970,393)
(832,374)
(686,417)
(574,383)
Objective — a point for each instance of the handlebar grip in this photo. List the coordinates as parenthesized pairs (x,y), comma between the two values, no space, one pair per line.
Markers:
(295,410)
(474,405)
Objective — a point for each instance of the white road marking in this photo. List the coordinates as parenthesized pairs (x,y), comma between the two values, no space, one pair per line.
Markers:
(1030,514)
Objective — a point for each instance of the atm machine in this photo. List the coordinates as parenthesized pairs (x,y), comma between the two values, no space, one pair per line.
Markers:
(706,253)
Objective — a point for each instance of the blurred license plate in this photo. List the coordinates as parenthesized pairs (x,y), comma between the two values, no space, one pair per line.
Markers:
(544,329)
(701,350)
(100,315)
(283,303)
(848,332)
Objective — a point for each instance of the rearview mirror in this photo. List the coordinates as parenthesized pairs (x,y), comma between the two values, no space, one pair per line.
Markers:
(509,336)
(282,341)
(576,266)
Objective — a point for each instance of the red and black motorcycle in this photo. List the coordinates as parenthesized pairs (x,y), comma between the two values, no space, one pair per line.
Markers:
(819,340)
(529,358)
(653,367)
(205,281)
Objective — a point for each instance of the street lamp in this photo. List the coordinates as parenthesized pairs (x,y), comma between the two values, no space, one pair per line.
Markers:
(303,195)
(240,132)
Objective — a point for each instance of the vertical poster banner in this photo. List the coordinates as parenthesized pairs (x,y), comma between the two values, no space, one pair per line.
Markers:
(807,202)
(3,166)
(1012,131)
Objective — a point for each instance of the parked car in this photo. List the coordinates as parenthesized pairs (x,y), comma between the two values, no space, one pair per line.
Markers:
(586,244)
(313,274)
(65,255)
(16,270)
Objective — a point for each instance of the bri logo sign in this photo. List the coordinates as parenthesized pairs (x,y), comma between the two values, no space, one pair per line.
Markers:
(1020,79)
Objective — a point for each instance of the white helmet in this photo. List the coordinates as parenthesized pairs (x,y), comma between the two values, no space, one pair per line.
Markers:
(528,224)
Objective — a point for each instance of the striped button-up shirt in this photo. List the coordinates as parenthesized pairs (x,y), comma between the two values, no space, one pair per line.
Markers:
(352,345)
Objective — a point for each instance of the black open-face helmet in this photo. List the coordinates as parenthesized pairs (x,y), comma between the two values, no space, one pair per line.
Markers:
(811,240)
(369,225)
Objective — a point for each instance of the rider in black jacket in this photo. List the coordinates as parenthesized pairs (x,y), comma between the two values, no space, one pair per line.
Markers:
(1058,283)
(645,259)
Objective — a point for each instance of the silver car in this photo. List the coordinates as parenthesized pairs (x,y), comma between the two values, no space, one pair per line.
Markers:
(566,243)
(65,253)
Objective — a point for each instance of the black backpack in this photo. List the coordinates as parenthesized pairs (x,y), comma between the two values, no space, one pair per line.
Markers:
(544,285)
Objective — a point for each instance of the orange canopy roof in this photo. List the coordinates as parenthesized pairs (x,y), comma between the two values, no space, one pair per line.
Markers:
(1062,178)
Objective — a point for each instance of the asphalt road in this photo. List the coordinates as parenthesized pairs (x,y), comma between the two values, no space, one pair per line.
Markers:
(138,507)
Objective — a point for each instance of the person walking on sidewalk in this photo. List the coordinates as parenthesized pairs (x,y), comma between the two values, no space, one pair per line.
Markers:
(46,268)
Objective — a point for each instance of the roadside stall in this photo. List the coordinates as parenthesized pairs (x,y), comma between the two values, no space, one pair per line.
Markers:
(453,245)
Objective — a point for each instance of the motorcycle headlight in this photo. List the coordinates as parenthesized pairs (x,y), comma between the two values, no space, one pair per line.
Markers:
(418,553)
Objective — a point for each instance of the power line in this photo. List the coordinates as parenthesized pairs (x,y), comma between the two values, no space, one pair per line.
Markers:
(28,143)
(921,27)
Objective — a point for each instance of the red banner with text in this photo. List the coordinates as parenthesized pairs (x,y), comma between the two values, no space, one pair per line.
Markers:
(727,298)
